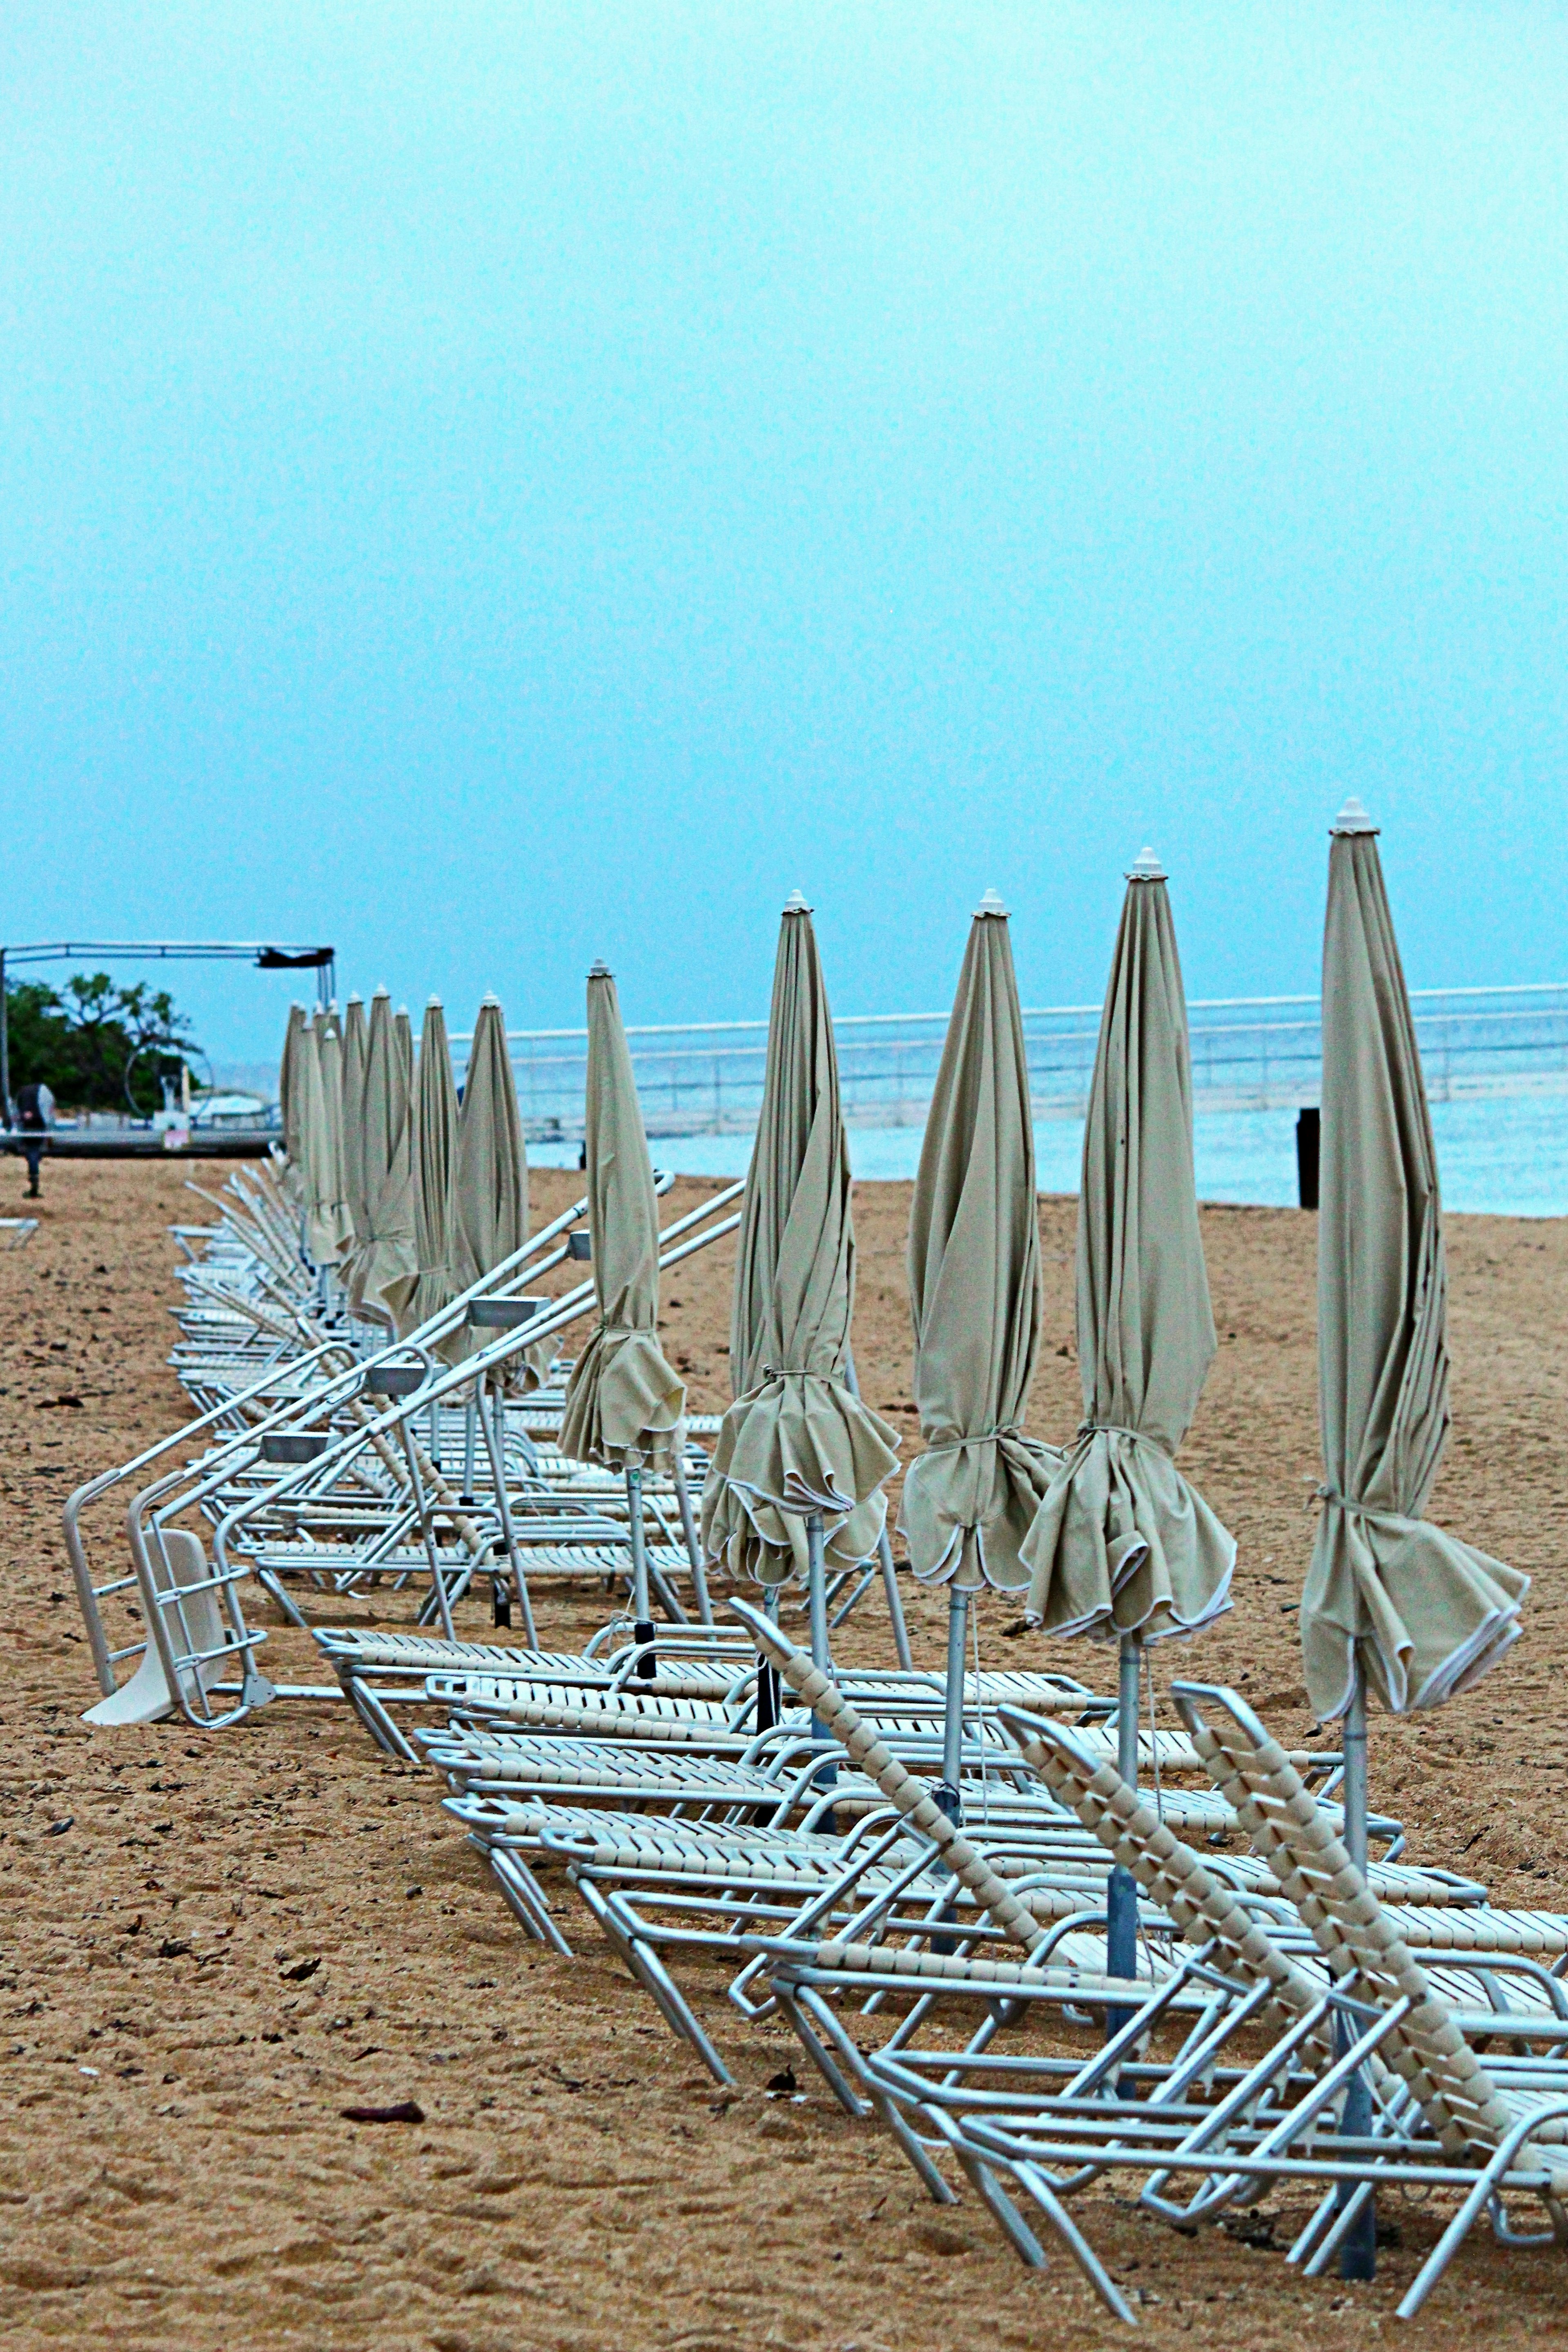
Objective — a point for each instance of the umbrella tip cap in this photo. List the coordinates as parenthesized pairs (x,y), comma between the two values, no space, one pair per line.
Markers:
(991,904)
(1146,867)
(797,903)
(600,969)
(1352,818)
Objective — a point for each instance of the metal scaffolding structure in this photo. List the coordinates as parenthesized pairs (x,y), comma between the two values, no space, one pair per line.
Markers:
(322,961)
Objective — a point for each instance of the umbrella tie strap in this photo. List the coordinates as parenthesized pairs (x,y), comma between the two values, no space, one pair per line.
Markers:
(1354,1510)
(1088,1429)
(984,1437)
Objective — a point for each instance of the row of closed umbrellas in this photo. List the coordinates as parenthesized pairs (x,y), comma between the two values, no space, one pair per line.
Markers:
(408,1196)
(1102,1536)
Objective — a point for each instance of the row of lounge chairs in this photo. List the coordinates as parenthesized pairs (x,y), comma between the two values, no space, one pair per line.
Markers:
(721,1811)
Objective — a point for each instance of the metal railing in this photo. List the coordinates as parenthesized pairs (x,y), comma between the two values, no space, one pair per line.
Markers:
(1248,1053)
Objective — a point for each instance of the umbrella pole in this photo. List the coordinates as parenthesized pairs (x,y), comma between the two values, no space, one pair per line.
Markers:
(895,1605)
(816,1602)
(693,1545)
(885,1555)
(495,1447)
(434,1434)
(767,1673)
(1122,1891)
(946,1792)
(817,1590)
(470,1438)
(642,1623)
(1358,2249)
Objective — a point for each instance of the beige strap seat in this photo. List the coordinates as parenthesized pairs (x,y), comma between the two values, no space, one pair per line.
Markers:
(384,1650)
(1507,2118)
(1363,1943)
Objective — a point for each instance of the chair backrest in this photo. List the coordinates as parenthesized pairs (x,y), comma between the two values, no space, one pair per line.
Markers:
(1280,1815)
(196,1621)
(1170,1873)
(913,1797)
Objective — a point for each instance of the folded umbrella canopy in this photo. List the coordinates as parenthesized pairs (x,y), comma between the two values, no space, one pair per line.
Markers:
(355,1049)
(331,1037)
(1121,1544)
(1422,1614)
(490,1185)
(490,1175)
(625,1407)
(434,1282)
(492,1167)
(623,1398)
(328,1232)
(796,1444)
(974,1297)
(290,1079)
(1390,1600)
(385,1253)
(974,1287)
(403,1039)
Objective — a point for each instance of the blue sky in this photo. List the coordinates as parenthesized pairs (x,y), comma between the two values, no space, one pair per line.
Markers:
(497,486)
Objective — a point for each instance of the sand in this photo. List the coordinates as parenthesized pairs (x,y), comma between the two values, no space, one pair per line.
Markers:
(210,1945)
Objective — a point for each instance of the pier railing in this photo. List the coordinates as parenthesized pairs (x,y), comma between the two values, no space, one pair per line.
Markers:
(1247,1053)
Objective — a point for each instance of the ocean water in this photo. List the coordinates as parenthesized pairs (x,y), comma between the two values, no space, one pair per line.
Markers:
(1505,1156)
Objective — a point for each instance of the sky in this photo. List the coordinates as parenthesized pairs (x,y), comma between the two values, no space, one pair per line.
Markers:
(495,487)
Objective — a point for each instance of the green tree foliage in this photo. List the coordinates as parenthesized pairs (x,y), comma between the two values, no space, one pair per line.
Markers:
(96,1047)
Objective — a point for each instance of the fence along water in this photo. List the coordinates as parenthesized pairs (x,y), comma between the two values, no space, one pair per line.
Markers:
(1259,1053)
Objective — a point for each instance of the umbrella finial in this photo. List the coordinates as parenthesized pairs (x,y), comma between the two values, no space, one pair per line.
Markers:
(1352,818)
(600,969)
(991,904)
(383,991)
(1146,867)
(354,996)
(796,903)
(433,1000)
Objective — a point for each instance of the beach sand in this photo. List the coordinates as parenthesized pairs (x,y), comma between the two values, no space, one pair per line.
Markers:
(211,1944)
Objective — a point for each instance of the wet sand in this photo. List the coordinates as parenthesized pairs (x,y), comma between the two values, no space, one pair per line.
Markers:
(210,1945)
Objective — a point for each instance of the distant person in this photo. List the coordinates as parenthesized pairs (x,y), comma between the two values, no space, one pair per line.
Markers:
(35,1116)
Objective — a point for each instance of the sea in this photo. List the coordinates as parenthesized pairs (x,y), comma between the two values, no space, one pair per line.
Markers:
(1503,1156)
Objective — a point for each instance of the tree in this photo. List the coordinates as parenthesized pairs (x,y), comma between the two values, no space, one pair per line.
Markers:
(96,1047)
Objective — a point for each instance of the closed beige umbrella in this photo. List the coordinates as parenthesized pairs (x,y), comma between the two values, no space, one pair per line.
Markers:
(1122,1548)
(622,1397)
(354,1052)
(1423,1615)
(386,1252)
(1122,1545)
(434,1283)
(1390,1600)
(799,1461)
(403,1039)
(974,1297)
(329,1044)
(625,1407)
(290,1080)
(491,1186)
(327,1229)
